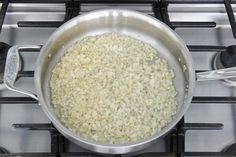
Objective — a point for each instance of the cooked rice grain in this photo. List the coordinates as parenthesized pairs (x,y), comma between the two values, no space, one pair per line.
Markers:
(113,89)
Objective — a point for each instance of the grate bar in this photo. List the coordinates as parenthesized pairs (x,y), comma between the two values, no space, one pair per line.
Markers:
(35,126)
(202,126)
(29,155)
(80,154)
(192,24)
(126,1)
(83,1)
(3,12)
(208,154)
(200,48)
(28,100)
(39,23)
(38,1)
(231,17)
(17,100)
(116,1)
(214,99)
(59,23)
(197,1)
(26,74)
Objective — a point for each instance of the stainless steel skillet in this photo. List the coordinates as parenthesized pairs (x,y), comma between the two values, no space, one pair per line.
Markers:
(143,27)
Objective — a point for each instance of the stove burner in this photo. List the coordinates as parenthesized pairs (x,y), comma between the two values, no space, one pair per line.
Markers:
(226,59)
(230,149)
(3,151)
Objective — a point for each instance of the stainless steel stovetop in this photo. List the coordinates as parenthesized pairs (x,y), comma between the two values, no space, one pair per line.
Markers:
(20,140)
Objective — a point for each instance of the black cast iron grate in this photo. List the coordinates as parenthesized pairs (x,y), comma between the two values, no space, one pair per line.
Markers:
(176,138)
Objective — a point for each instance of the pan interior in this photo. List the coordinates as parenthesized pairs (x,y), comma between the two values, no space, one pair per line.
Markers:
(126,23)
(161,50)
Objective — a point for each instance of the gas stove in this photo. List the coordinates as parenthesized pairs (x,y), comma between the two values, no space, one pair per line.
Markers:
(208,28)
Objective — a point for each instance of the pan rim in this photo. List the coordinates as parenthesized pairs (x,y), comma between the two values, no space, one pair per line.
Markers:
(113,148)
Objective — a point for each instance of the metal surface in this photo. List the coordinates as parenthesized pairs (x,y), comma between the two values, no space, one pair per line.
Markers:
(163,39)
(216,74)
(134,24)
(12,68)
(217,64)
(209,141)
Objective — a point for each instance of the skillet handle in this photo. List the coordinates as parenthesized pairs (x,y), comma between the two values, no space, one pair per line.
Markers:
(12,67)
(217,74)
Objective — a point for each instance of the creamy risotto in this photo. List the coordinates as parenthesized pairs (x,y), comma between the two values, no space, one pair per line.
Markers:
(113,89)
